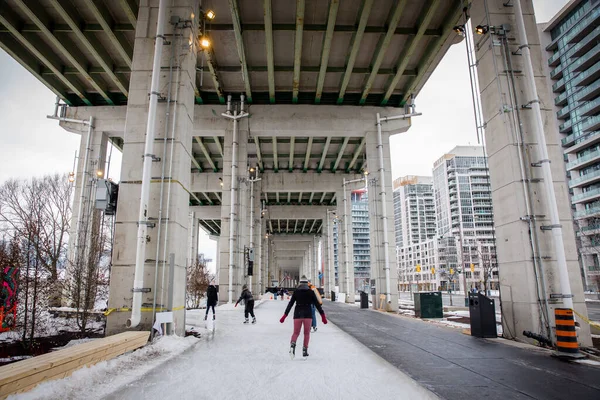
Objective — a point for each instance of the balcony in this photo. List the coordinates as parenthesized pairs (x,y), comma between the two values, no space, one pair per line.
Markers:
(585,45)
(584,161)
(554,60)
(584,140)
(566,127)
(585,179)
(590,108)
(587,213)
(557,72)
(587,77)
(585,26)
(589,229)
(561,100)
(591,124)
(586,196)
(589,92)
(564,112)
(586,61)
(559,86)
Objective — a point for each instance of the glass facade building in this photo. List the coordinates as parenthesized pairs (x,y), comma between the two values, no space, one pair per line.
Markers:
(572,43)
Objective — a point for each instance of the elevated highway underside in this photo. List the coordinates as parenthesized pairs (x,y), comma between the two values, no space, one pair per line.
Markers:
(307,82)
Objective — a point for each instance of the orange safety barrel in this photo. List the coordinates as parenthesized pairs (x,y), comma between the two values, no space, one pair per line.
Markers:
(566,336)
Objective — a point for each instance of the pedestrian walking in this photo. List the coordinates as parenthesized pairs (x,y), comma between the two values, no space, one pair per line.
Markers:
(313,308)
(303,297)
(211,300)
(246,296)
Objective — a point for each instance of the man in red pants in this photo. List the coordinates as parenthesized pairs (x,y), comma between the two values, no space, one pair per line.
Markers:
(303,297)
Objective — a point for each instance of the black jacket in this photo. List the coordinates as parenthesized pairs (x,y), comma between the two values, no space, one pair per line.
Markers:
(303,297)
(211,296)
(246,296)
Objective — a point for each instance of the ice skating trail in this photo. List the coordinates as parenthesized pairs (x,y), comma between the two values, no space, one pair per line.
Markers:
(245,361)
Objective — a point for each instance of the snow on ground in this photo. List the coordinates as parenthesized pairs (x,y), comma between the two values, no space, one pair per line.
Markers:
(241,362)
(100,380)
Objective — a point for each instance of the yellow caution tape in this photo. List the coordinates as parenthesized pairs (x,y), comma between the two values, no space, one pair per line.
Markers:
(597,325)
(143,309)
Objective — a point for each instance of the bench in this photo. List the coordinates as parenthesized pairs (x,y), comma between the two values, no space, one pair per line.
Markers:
(24,375)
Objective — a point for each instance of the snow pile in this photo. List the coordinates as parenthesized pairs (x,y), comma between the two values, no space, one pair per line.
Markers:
(100,380)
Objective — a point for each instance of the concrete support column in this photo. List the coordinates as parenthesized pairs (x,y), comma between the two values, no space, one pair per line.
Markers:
(171,151)
(345,251)
(523,274)
(376,223)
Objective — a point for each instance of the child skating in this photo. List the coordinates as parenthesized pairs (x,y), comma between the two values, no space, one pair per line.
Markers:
(246,296)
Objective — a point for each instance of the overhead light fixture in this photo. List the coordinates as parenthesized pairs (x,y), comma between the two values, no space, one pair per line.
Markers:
(460,29)
(482,29)
(192,15)
(365,172)
(99,173)
(221,182)
(210,15)
(71,176)
(204,42)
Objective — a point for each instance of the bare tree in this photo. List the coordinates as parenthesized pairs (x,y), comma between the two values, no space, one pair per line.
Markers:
(40,208)
(198,279)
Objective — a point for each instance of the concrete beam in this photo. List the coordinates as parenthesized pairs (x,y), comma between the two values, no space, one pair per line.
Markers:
(206,182)
(239,41)
(268,13)
(206,212)
(303,182)
(333,9)
(108,119)
(301,121)
(300,5)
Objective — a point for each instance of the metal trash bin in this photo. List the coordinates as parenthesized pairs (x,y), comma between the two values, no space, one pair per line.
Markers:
(332,295)
(364,300)
(482,312)
(428,305)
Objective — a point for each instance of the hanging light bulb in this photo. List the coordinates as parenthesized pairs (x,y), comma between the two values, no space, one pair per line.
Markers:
(204,42)
(71,176)
(210,15)
(482,29)
(99,173)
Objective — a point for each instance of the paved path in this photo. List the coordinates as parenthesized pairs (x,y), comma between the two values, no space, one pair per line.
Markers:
(457,366)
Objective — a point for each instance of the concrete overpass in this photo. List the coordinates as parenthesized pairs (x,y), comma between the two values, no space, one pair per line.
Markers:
(297,72)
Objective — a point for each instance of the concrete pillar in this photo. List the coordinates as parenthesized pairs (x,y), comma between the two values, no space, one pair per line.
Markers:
(346,250)
(519,286)
(194,226)
(376,224)
(242,175)
(174,220)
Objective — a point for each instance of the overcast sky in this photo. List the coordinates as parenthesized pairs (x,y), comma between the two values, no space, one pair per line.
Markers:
(31,144)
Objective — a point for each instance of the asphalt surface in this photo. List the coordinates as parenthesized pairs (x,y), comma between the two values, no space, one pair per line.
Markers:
(458,299)
(457,366)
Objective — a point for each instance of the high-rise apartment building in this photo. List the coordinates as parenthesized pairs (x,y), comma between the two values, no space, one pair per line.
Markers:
(463,204)
(572,42)
(414,209)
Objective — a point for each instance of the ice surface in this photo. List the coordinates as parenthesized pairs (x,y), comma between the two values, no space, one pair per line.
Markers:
(241,362)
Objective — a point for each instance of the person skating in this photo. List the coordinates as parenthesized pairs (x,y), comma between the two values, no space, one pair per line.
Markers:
(211,300)
(249,303)
(312,287)
(303,297)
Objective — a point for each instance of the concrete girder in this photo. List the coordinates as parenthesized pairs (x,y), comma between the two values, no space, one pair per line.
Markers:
(432,51)
(333,9)
(64,28)
(295,212)
(217,141)
(239,41)
(301,182)
(41,19)
(103,16)
(198,140)
(324,155)
(89,41)
(41,51)
(409,50)
(213,68)
(108,119)
(300,198)
(322,198)
(357,152)
(340,153)
(401,30)
(382,48)
(291,162)
(300,5)
(258,153)
(363,13)
(289,198)
(308,150)
(269,44)
(310,200)
(131,9)
(206,212)
(275,161)
(205,182)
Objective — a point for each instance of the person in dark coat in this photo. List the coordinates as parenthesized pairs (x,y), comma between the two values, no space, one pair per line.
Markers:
(303,297)
(211,300)
(246,296)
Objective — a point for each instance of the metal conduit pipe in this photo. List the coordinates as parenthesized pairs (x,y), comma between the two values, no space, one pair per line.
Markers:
(544,161)
(517,127)
(162,184)
(386,257)
(140,255)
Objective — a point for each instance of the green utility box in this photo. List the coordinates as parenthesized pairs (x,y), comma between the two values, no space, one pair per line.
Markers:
(428,305)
